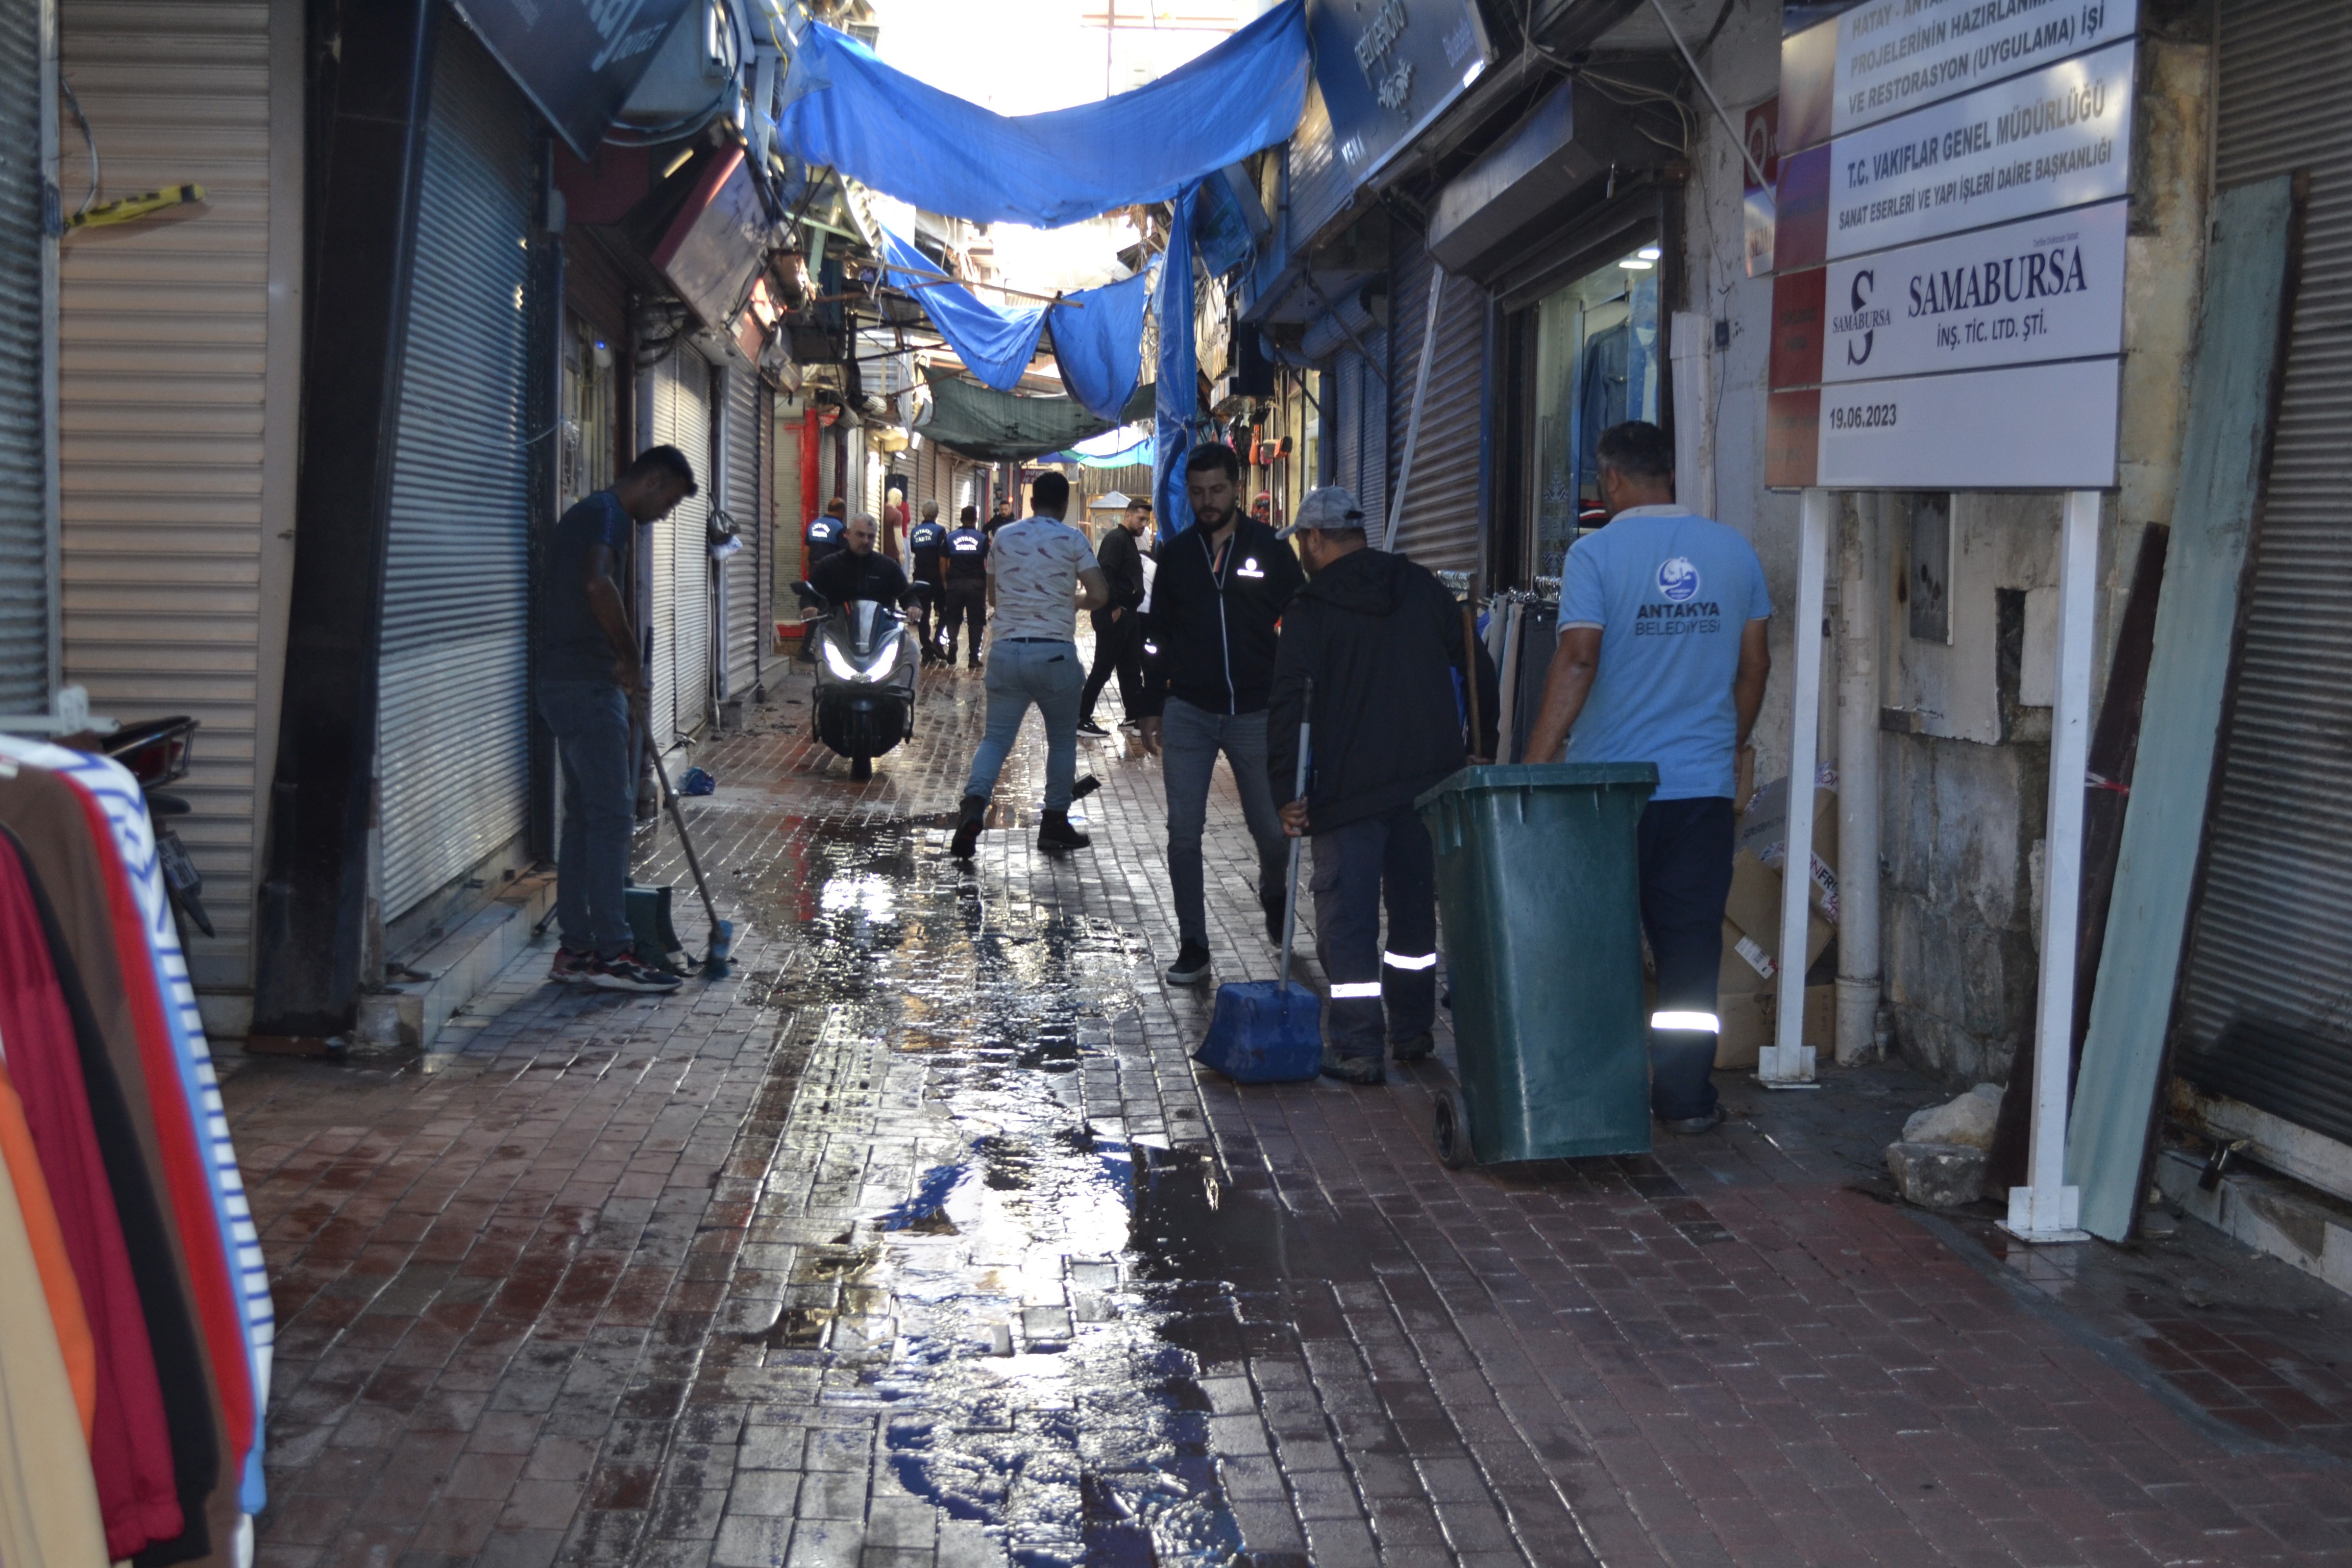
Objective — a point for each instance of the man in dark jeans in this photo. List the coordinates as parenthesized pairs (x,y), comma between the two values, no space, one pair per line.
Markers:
(1216,599)
(590,679)
(1663,659)
(1119,628)
(1382,640)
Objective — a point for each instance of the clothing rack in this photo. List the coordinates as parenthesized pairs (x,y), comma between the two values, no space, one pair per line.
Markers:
(135,1319)
(1520,629)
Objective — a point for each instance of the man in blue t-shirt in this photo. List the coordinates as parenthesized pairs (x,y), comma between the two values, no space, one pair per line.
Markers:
(591,683)
(1663,659)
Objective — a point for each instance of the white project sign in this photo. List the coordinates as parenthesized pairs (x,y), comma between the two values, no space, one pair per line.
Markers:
(2049,288)
(2049,426)
(2058,137)
(1882,59)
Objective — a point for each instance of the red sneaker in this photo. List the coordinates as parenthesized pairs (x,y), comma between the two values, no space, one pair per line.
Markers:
(571,967)
(624,973)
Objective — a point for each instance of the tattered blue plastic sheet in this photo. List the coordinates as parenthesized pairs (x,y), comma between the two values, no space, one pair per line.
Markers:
(879,126)
(1177,376)
(1097,332)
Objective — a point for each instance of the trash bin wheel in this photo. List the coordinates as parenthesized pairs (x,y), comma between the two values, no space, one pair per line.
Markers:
(1452,1121)
(861,767)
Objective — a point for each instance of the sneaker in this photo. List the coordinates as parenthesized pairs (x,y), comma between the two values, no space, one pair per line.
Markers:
(624,973)
(966,833)
(1092,731)
(1364,1070)
(1191,966)
(1414,1049)
(572,966)
(1055,832)
(1692,1126)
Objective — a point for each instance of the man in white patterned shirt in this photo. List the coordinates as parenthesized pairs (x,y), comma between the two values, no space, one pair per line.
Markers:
(1041,573)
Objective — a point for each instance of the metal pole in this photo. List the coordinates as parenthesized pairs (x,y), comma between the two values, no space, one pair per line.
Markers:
(1420,394)
(1861,599)
(2047,1209)
(1788,1064)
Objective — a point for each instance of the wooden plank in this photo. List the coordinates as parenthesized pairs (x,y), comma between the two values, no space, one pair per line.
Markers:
(2232,403)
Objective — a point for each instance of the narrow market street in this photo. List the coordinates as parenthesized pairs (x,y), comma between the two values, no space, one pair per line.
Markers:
(920,1240)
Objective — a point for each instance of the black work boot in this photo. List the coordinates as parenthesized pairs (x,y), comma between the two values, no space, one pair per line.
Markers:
(966,833)
(1055,832)
(1365,1071)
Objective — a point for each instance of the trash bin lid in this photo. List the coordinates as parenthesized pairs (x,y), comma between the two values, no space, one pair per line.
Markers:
(1543,776)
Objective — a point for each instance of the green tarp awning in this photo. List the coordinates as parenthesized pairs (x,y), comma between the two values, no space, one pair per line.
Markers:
(980,421)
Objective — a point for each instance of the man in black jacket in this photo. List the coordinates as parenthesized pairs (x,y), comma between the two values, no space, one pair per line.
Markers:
(1209,646)
(1382,640)
(858,570)
(1119,628)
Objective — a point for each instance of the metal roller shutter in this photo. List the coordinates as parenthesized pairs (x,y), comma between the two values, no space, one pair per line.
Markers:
(163,380)
(1440,525)
(1346,383)
(453,727)
(741,571)
(2261,1017)
(1373,418)
(680,551)
(27,561)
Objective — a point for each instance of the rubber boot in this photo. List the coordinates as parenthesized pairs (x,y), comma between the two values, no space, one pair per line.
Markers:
(1055,832)
(966,833)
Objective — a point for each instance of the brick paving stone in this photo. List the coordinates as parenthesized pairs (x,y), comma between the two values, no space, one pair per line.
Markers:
(920,1238)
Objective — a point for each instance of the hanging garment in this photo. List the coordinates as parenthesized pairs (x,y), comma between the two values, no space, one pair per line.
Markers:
(41,816)
(946,154)
(59,1286)
(130,1448)
(49,1503)
(190,1135)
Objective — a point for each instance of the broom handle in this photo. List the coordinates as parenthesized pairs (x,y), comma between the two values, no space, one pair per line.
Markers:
(1298,792)
(694,863)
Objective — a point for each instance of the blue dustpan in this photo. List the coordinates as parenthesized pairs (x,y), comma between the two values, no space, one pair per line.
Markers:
(1270,1031)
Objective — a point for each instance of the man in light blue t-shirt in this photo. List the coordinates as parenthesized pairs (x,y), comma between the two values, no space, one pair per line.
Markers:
(1663,659)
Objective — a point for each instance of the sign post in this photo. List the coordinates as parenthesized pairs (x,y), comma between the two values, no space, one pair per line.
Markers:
(1790,1063)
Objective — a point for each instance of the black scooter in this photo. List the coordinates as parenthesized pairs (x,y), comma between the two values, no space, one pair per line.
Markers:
(865,657)
(156,753)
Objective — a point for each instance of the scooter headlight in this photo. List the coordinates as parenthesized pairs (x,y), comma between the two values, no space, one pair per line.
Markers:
(836,661)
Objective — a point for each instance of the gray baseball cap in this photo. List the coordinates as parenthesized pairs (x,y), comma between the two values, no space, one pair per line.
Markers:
(1328,508)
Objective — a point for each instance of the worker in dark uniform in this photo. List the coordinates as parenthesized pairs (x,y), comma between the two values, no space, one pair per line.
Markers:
(820,538)
(858,571)
(1662,658)
(927,542)
(1382,641)
(963,582)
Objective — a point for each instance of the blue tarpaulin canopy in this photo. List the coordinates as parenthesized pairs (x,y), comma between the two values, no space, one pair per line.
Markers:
(881,127)
(1097,332)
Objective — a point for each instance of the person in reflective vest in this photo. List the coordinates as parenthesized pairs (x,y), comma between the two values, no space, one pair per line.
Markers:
(963,579)
(926,544)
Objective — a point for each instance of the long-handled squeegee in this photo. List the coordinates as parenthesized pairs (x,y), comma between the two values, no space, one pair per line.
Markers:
(722,932)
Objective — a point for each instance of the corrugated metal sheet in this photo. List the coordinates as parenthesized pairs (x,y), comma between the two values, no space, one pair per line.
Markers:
(164,328)
(1319,181)
(680,551)
(742,571)
(454,762)
(25,565)
(1440,524)
(2266,1010)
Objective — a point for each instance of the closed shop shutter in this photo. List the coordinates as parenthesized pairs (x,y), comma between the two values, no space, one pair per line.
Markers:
(165,329)
(2262,1017)
(25,568)
(742,570)
(1440,525)
(679,551)
(452,730)
(1346,383)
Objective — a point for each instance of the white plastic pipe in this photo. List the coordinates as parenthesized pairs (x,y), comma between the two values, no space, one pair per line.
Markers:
(1789,1063)
(2046,1208)
(1861,600)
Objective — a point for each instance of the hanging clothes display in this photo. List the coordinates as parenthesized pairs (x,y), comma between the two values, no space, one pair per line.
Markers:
(123,1183)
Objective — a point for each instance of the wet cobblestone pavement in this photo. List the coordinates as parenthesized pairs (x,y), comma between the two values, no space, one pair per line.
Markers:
(919,1240)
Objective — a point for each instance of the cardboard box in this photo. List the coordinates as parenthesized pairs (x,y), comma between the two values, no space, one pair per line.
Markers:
(1763,832)
(1753,910)
(1750,1020)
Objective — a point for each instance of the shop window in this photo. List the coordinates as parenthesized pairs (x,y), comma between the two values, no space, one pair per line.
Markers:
(1597,363)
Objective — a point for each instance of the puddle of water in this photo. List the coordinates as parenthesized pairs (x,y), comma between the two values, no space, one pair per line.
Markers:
(1034,1316)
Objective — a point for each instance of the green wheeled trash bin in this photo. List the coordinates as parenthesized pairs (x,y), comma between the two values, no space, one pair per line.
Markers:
(1539,886)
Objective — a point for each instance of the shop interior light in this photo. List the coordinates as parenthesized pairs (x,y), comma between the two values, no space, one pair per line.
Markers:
(1648,253)
(1636,264)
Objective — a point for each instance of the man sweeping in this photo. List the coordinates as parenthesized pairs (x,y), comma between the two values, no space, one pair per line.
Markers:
(590,679)
(1382,639)
(1663,659)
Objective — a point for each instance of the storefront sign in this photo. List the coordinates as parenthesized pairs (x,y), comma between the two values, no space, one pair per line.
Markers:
(2050,426)
(577,60)
(717,243)
(1882,59)
(1763,136)
(2059,137)
(1385,69)
(2048,287)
